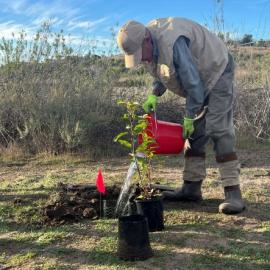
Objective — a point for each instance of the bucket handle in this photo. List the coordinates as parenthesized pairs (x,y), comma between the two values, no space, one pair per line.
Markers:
(153,117)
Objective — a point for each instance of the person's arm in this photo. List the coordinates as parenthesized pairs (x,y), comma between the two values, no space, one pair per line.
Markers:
(158,89)
(189,77)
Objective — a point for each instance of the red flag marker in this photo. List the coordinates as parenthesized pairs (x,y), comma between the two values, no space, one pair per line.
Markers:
(100,183)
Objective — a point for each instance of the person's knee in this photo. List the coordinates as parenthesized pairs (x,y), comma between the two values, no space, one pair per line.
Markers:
(225,144)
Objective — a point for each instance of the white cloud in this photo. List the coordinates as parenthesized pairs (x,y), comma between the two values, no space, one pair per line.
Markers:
(73,24)
(53,20)
(35,9)
(52,9)
(9,30)
(28,15)
(58,12)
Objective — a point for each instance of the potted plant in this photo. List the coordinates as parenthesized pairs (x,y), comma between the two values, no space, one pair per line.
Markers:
(148,201)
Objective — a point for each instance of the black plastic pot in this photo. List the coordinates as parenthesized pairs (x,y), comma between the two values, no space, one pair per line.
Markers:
(153,210)
(133,238)
(108,209)
(132,208)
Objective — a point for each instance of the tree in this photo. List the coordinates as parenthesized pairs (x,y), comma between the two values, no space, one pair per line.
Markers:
(247,38)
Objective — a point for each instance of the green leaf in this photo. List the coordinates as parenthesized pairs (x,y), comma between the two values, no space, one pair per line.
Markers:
(140,127)
(120,135)
(125,143)
(140,148)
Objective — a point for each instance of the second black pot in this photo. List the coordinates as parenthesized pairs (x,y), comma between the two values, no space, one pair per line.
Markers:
(153,210)
(133,238)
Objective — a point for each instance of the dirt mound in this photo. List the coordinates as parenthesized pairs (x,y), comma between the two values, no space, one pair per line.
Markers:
(76,202)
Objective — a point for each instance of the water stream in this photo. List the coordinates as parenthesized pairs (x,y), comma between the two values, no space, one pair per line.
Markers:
(122,202)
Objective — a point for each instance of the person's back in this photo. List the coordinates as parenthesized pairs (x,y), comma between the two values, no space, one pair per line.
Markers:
(209,52)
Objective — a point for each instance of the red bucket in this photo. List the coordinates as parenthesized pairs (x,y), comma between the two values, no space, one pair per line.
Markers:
(168,136)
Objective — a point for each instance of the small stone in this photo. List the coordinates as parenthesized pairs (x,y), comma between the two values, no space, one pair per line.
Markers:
(89,212)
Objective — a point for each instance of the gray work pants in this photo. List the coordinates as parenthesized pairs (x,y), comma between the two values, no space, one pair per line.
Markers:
(216,125)
(218,121)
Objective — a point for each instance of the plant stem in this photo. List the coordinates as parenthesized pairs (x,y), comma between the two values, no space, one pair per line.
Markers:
(131,119)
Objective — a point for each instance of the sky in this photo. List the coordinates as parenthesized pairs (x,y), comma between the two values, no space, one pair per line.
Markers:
(96,18)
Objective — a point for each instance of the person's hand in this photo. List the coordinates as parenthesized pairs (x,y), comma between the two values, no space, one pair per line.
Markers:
(188,127)
(150,103)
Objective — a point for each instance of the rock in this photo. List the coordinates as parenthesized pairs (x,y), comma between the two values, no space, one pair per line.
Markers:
(89,212)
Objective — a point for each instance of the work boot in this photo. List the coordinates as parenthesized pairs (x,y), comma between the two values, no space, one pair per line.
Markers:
(233,203)
(193,175)
(190,191)
(229,168)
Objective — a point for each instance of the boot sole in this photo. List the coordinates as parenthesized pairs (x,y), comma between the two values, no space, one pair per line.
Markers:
(233,212)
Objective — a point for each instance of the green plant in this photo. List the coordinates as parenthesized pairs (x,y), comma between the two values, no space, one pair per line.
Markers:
(141,153)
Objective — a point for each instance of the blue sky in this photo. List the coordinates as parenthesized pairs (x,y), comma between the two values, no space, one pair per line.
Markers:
(94,18)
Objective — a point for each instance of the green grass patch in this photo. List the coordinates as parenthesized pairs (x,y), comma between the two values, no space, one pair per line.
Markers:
(53,265)
(19,259)
(266,228)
